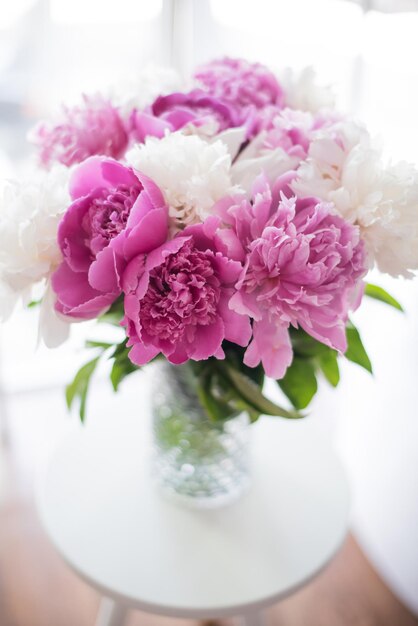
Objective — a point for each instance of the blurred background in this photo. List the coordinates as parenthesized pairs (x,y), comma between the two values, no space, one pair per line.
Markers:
(50,50)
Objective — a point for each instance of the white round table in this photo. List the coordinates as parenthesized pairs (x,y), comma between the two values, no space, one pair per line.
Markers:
(101,510)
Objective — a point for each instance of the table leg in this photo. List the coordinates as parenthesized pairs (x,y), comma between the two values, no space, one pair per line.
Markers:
(252,618)
(111,613)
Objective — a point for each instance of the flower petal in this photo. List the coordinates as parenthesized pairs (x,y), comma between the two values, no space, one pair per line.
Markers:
(99,172)
(271,345)
(141,354)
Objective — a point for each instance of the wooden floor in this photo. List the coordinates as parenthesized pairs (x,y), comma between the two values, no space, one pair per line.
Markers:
(37,588)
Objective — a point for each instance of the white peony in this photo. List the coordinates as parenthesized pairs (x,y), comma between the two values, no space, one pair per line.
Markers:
(303,92)
(29,251)
(345,167)
(192,173)
(254,161)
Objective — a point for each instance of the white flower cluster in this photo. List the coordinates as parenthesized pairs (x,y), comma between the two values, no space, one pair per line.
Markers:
(192,173)
(344,167)
(29,251)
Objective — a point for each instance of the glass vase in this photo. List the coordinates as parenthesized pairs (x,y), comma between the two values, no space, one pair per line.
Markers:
(198,461)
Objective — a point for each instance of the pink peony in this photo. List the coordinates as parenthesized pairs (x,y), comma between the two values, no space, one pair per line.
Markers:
(303,266)
(176,299)
(250,87)
(176,110)
(115,215)
(93,128)
(240,82)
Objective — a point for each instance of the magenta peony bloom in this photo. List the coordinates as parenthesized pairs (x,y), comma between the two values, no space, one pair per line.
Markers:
(176,299)
(94,128)
(115,215)
(248,86)
(176,110)
(303,266)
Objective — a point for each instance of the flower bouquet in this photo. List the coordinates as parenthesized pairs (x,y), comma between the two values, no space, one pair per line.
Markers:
(227,227)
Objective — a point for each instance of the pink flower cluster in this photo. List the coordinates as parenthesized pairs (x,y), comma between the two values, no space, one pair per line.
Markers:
(177,299)
(228,93)
(94,127)
(301,267)
(175,111)
(258,262)
(115,214)
(241,83)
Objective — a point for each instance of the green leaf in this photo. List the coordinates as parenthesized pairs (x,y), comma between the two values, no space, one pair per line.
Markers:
(304,345)
(33,304)
(218,396)
(251,393)
(378,293)
(111,317)
(121,368)
(114,314)
(216,407)
(120,350)
(234,355)
(328,362)
(80,385)
(122,365)
(356,352)
(98,344)
(255,373)
(299,383)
